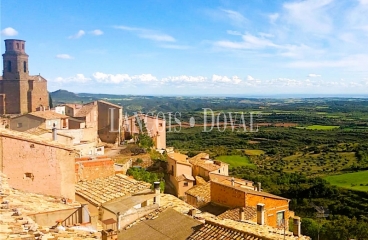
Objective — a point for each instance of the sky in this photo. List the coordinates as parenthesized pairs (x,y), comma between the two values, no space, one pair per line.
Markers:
(176,47)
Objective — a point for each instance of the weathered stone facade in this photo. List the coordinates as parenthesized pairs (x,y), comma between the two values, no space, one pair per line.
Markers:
(19,92)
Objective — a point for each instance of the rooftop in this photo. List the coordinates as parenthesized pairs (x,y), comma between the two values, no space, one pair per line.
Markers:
(40,131)
(32,138)
(184,177)
(123,204)
(22,225)
(167,225)
(250,214)
(250,191)
(202,192)
(85,110)
(47,115)
(101,190)
(109,103)
(203,160)
(179,158)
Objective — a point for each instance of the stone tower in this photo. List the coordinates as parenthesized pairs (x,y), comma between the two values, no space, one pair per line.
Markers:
(19,92)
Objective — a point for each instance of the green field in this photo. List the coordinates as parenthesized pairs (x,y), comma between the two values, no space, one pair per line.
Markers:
(356,181)
(236,161)
(319,127)
(253,152)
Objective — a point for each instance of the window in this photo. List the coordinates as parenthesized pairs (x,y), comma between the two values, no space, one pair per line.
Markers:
(160,124)
(9,66)
(23,46)
(186,184)
(280,218)
(17,45)
(19,125)
(219,171)
(172,170)
(25,66)
(28,176)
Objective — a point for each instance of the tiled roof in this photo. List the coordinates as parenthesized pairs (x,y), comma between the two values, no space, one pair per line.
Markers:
(166,225)
(202,192)
(48,115)
(200,180)
(39,131)
(179,158)
(37,78)
(184,177)
(33,138)
(212,230)
(27,204)
(227,180)
(252,192)
(202,160)
(109,103)
(250,214)
(86,109)
(101,190)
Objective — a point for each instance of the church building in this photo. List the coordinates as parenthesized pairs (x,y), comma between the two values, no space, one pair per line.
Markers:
(20,93)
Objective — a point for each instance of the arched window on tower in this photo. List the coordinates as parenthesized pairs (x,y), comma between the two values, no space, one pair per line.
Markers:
(17,45)
(23,46)
(9,66)
(25,66)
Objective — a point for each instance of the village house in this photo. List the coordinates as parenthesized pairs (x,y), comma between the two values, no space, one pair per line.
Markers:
(118,199)
(180,172)
(156,128)
(203,166)
(27,215)
(44,119)
(34,164)
(270,209)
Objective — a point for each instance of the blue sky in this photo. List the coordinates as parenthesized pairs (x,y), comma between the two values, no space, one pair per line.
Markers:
(165,47)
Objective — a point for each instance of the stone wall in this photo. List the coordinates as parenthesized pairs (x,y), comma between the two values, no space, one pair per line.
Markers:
(227,196)
(38,168)
(92,169)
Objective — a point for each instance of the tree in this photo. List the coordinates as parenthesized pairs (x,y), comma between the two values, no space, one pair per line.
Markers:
(50,101)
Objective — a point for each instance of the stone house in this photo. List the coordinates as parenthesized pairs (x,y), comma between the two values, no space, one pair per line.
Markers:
(156,128)
(44,119)
(180,172)
(33,164)
(203,166)
(271,210)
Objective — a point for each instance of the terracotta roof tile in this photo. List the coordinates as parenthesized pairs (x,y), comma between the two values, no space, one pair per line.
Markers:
(250,214)
(48,115)
(201,192)
(101,190)
(33,138)
(85,110)
(184,177)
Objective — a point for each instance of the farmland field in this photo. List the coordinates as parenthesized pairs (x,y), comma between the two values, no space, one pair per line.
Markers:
(319,127)
(251,152)
(356,181)
(236,160)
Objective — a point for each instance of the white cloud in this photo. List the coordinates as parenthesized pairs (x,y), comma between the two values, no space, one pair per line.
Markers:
(273,17)
(148,34)
(64,56)
(119,78)
(250,78)
(313,75)
(310,15)
(225,79)
(111,78)
(79,34)
(356,62)
(9,32)
(363,2)
(249,42)
(234,16)
(231,32)
(96,32)
(79,78)
(184,79)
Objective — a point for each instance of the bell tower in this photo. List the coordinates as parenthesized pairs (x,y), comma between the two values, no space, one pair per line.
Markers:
(15,60)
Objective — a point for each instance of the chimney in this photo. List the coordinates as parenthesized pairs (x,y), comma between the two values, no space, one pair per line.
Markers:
(54,133)
(296,226)
(259,189)
(192,212)
(241,214)
(156,199)
(232,182)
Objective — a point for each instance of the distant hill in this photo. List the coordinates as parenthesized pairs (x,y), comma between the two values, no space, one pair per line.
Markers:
(64,96)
